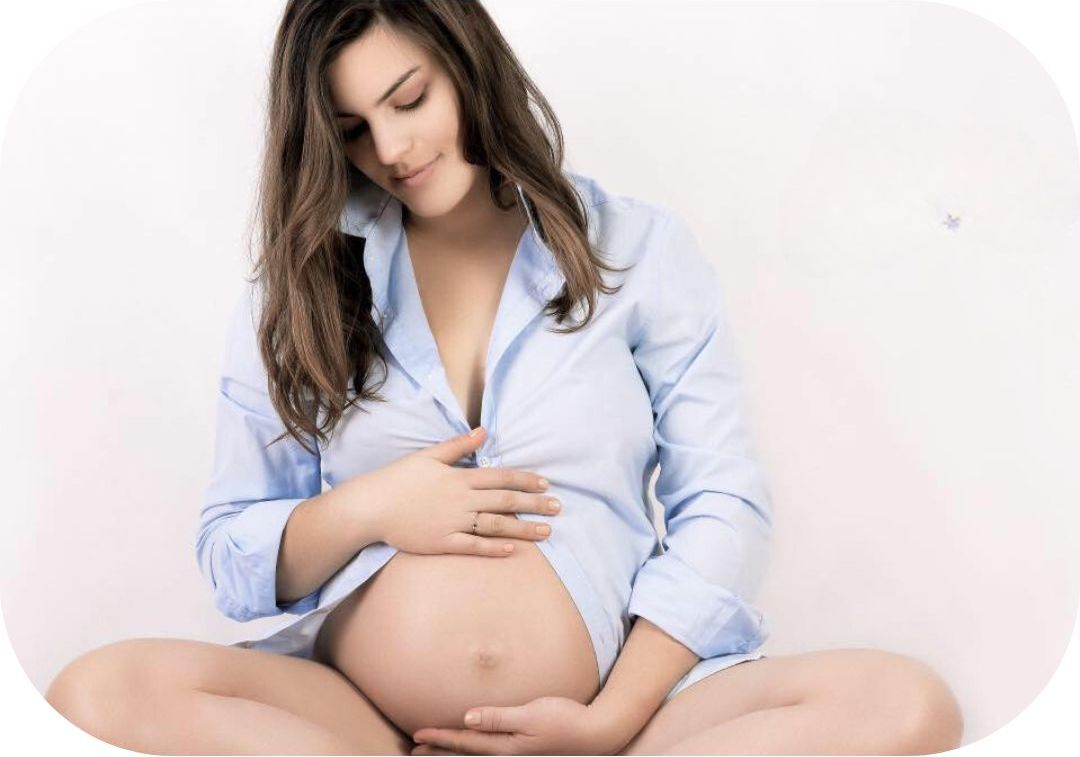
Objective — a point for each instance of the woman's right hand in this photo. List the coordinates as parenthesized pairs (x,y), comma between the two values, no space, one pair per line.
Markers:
(427,506)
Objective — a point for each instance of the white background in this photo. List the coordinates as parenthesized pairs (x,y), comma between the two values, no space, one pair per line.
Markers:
(1045,727)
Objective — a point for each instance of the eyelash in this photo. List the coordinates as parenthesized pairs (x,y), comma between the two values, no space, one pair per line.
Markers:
(359,129)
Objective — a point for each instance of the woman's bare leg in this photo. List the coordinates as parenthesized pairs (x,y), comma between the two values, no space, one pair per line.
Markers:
(197,722)
(174,696)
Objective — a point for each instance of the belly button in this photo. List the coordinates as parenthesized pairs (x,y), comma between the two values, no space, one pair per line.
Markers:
(487,655)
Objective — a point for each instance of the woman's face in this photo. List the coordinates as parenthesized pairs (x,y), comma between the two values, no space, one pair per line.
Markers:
(398,111)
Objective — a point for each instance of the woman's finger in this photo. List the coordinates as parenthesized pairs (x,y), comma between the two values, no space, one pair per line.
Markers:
(429,749)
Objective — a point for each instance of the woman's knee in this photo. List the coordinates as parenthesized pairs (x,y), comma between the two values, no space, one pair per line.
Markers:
(937,724)
(922,703)
(99,687)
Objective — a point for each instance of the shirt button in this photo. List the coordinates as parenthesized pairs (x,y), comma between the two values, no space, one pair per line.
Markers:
(484,461)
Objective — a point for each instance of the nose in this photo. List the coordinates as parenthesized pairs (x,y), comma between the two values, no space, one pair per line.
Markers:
(390,148)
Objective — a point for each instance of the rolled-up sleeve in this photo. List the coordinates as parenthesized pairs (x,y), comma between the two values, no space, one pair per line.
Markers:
(715,504)
(253,489)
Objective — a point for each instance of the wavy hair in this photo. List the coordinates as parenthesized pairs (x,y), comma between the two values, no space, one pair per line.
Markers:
(315,331)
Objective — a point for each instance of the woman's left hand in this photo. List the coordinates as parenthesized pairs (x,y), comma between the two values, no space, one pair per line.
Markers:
(548,725)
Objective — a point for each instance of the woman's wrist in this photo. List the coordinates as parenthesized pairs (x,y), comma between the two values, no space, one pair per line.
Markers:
(617,727)
(360,496)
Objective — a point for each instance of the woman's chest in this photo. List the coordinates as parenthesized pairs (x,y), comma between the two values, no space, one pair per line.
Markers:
(552,400)
(460,297)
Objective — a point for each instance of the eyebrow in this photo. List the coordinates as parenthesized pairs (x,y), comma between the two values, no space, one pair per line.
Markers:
(386,95)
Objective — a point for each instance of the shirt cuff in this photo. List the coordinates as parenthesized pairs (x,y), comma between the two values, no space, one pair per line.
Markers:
(707,619)
(255,542)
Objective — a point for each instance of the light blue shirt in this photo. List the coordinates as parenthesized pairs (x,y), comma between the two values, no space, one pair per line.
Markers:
(653,379)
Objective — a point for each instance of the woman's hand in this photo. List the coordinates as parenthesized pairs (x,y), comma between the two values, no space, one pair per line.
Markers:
(424,505)
(548,725)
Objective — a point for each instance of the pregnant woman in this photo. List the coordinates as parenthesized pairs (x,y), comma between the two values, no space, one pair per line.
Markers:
(485,542)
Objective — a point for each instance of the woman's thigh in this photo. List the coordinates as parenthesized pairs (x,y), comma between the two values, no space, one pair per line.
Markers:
(306,688)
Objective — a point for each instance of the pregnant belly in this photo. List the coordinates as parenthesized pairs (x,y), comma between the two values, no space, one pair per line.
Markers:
(429,636)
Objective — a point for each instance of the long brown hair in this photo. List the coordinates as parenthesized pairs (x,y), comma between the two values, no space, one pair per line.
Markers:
(315,330)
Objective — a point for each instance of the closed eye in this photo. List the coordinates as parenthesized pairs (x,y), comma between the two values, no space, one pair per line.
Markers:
(361,127)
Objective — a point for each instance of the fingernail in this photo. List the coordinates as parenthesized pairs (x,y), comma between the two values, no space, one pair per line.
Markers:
(543,483)
(475,431)
(472,718)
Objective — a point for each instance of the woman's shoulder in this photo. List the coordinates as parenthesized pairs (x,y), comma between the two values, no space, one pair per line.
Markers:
(600,195)
(625,226)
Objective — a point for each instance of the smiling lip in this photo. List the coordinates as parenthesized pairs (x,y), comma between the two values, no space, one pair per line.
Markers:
(418,177)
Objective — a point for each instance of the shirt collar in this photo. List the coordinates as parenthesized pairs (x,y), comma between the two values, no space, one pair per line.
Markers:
(375,214)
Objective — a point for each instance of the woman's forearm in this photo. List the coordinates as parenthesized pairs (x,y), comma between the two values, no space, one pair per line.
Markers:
(649,665)
(321,536)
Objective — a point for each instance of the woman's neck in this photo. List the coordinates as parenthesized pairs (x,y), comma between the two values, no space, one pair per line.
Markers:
(474,222)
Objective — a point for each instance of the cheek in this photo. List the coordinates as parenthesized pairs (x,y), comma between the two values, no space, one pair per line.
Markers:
(359,156)
(444,120)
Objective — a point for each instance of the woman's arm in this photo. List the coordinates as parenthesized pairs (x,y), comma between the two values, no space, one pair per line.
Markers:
(322,535)
(692,601)
(257,493)
(649,664)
